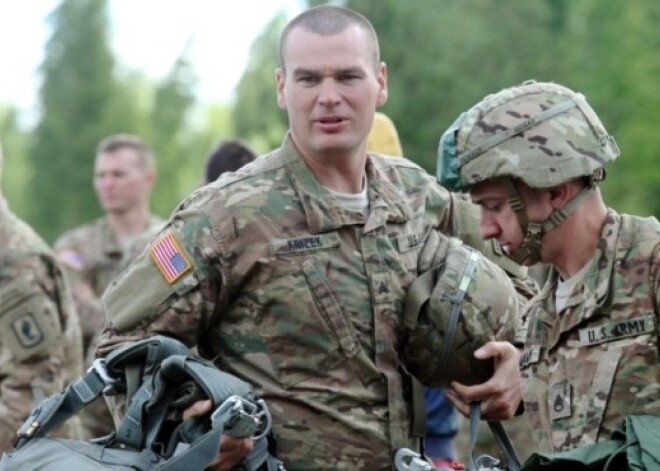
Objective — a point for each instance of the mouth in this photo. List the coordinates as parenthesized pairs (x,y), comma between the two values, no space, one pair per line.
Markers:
(330,122)
(507,249)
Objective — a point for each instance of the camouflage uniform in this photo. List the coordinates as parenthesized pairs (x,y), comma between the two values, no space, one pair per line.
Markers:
(597,360)
(587,366)
(40,339)
(273,278)
(93,256)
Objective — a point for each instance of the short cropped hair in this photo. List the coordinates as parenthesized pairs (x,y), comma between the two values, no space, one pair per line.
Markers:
(229,156)
(117,142)
(328,20)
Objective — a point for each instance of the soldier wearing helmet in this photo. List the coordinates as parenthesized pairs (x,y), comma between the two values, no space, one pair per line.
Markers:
(532,156)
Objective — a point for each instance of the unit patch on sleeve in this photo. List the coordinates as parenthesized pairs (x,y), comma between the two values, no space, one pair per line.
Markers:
(27,331)
(170,258)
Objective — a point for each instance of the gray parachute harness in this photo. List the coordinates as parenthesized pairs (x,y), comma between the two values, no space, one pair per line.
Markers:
(160,378)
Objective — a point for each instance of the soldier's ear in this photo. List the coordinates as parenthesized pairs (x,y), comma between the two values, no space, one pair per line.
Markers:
(560,195)
(280,80)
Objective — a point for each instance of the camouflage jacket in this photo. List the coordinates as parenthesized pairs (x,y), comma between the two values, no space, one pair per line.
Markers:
(93,256)
(40,338)
(267,273)
(597,360)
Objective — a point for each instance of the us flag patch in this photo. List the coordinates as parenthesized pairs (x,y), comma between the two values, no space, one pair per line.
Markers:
(169,258)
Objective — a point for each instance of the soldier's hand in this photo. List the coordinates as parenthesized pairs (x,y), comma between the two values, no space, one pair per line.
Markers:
(500,395)
(231,451)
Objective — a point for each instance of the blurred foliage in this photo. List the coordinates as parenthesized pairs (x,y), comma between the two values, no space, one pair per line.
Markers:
(16,169)
(442,57)
(445,55)
(256,115)
(80,103)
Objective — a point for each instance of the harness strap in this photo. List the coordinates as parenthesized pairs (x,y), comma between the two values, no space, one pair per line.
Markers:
(512,463)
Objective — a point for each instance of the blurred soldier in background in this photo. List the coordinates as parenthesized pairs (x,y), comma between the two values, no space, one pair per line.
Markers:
(229,156)
(93,254)
(383,137)
(40,338)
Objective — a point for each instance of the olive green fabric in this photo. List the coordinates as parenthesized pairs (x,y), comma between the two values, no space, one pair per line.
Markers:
(633,446)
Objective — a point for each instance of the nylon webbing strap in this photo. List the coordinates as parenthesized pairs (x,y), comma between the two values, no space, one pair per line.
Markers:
(509,133)
(418,429)
(505,445)
(557,217)
(501,438)
(56,409)
(418,294)
(457,301)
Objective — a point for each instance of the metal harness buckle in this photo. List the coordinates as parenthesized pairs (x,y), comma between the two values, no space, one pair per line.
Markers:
(243,418)
(407,460)
(99,367)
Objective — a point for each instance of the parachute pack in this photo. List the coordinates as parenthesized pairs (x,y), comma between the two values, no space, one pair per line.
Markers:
(160,378)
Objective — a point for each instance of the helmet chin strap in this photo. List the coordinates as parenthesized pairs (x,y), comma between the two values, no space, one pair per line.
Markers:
(530,249)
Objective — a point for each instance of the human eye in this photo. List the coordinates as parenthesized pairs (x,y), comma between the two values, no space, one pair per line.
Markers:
(493,206)
(349,76)
(307,79)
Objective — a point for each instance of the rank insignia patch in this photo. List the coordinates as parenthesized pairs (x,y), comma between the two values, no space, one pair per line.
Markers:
(169,258)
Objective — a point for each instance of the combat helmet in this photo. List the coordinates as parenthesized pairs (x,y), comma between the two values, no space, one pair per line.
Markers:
(453,310)
(541,133)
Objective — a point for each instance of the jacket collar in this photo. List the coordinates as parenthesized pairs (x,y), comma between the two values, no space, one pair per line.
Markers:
(325,213)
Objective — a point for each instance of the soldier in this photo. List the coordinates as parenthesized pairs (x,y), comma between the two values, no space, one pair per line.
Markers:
(383,137)
(229,156)
(292,272)
(94,253)
(532,156)
(40,339)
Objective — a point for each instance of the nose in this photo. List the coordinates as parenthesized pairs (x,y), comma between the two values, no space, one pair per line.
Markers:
(328,93)
(488,227)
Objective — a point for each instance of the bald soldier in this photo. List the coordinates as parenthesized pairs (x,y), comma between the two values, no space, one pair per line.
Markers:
(40,340)
(292,272)
(94,253)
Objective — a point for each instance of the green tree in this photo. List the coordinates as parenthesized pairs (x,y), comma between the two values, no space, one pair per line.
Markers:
(617,52)
(445,55)
(81,103)
(15,168)
(174,99)
(256,116)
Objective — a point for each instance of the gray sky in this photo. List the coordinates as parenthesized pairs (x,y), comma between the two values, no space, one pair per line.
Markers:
(222,32)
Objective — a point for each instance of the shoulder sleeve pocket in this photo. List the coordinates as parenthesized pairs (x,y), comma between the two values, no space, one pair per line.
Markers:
(29,320)
(150,284)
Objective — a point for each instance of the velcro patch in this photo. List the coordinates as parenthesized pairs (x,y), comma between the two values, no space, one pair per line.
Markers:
(304,244)
(559,401)
(409,241)
(71,259)
(169,258)
(27,331)
(29,322)
(618,330)
(530,356)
